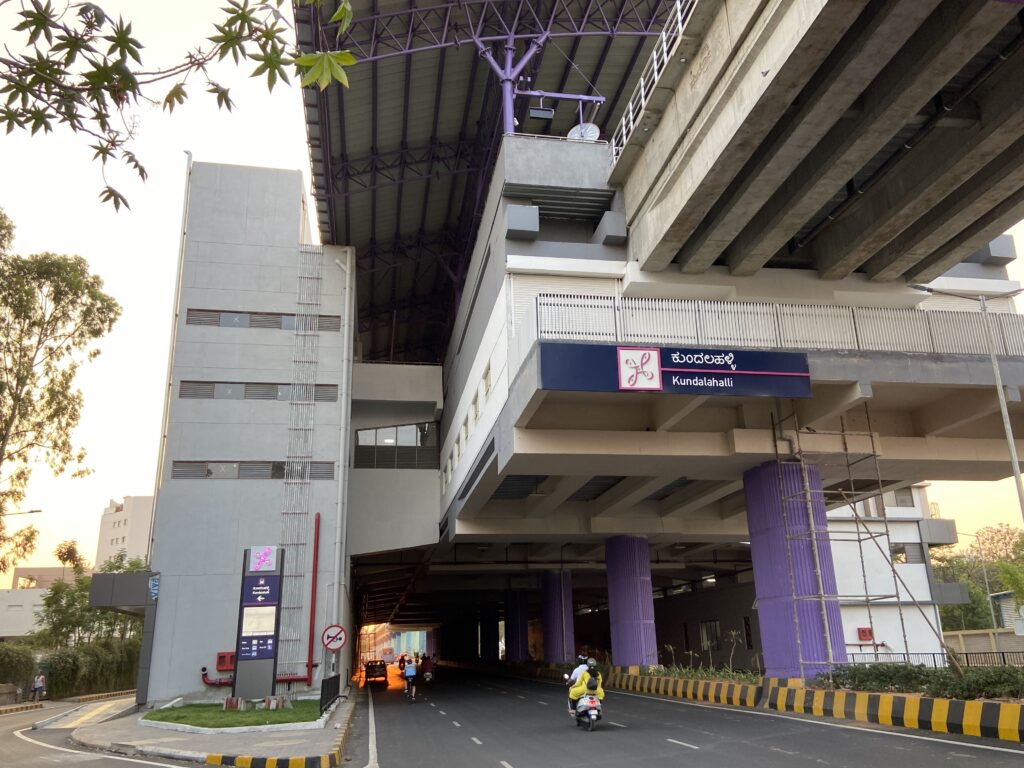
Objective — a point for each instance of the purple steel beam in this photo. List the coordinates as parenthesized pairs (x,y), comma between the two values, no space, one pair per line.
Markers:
(381,36)
(622,86)
(392,165)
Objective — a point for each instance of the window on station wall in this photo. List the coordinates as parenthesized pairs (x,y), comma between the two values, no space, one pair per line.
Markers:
(748,634)
(904,553)
(710,635)
(902,497)
(406,446)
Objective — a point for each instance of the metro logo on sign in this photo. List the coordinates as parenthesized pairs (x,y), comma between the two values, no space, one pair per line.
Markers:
(639,368)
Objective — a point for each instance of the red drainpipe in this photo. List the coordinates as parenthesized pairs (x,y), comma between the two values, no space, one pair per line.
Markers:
(308,677)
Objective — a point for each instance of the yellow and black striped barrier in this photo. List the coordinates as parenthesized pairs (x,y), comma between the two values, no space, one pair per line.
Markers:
(711,691)
(992,719)
(248,761)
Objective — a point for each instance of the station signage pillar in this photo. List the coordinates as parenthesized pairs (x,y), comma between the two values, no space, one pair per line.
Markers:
(259,621)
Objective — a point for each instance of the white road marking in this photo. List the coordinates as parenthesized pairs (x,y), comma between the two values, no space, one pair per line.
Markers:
(542,703)
(504,693)
(823,723)
(682,744)
(617,725)
(456,723)
(433,704)
(475,740)
(520,697)
(373,734)
(503,764)
(20,734)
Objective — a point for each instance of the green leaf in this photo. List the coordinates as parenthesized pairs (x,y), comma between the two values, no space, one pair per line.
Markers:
(342,17)
(40,20)
(175,96)
(133,162)
(111,195)
(324,67)
(223,98)
(122,43)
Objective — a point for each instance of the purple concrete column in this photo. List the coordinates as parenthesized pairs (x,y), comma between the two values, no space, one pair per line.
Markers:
(489,635)
(559,641)
(789,611)
(630,601)
(517,626)
(430,650)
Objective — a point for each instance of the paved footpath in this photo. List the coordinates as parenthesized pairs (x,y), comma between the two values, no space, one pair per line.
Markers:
(126,735)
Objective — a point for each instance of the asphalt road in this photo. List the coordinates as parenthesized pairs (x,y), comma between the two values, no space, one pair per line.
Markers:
(462,721)
(21,747)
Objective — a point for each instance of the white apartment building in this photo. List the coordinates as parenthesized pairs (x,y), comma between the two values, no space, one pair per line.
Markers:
(124,526)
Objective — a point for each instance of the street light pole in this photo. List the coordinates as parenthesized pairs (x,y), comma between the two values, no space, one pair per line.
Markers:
(1000,393)
(1002,403)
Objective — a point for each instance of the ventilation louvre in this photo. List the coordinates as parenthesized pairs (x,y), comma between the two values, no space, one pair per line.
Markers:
(202,317)
(188,470)
(196,390)
(258,391)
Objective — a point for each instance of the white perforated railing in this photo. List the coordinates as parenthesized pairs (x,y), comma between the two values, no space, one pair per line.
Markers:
(758,325)
(665,46)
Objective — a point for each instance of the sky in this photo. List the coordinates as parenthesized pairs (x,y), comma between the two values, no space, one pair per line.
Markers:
(49,187)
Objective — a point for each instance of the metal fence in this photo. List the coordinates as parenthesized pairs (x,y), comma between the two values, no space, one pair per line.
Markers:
(971,659)
(330,689)
(662,55)
(765,325)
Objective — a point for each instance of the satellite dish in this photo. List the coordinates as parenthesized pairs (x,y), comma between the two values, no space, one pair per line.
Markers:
(584,132)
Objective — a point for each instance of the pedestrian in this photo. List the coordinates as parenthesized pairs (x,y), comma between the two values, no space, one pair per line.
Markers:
(38,685)
(401,663)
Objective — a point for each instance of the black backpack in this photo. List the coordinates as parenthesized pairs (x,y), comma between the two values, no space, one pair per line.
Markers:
(592,683)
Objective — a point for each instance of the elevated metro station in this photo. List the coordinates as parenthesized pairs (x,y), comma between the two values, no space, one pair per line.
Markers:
(629,323)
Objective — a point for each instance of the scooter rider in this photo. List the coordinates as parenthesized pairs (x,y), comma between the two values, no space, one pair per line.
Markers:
(581,667)
(581,687)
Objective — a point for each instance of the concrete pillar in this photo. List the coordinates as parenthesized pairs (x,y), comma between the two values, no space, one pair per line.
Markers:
(559,641)
(489,635)
(430,643)
(788,609)
(630,601)
(517,626)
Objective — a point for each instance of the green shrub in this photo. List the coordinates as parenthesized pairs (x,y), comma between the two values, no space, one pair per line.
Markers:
(702,673)
(63,674)
(974,683)
(17,665)
(100,667)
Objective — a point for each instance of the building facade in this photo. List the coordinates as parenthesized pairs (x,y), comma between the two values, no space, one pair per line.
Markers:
(124,527)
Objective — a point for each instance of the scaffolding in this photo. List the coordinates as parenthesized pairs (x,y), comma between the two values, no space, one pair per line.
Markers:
(851,478)
(295,514)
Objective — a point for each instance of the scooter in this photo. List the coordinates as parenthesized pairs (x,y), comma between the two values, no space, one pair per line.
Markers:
(588,707)
(588,711)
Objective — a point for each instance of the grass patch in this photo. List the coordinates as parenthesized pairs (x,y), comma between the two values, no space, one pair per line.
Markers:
(214,716)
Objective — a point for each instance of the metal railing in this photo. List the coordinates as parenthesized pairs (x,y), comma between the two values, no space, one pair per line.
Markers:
(330,689)
(970,659)
(757,325)
(665,46)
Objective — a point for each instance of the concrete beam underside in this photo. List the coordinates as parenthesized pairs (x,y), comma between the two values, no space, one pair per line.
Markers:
(876,36)
(939,164)
(947,40)
(741,85)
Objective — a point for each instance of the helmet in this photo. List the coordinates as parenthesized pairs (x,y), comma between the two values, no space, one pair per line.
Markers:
(591,663)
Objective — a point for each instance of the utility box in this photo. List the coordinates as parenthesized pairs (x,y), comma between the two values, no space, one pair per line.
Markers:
(225,661)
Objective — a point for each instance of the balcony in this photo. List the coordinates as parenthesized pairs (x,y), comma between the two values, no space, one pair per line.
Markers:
(753,325)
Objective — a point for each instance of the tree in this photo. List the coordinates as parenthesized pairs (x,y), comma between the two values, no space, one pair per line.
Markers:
(67,618)
(52,310)
(79,67)
(67,553)
(996,543)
